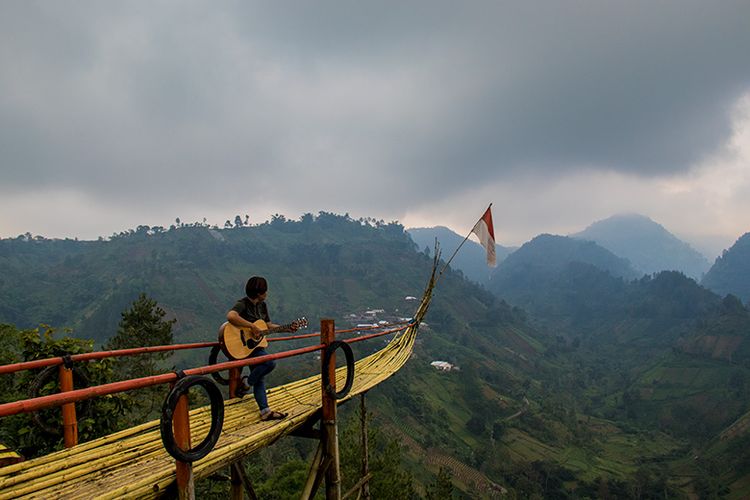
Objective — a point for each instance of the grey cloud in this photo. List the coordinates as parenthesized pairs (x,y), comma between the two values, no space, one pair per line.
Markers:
(359,103)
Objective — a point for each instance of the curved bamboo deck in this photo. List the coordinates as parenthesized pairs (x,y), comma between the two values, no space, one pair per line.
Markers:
(133,462)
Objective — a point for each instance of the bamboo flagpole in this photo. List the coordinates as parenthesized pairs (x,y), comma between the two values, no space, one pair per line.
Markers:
(486,233)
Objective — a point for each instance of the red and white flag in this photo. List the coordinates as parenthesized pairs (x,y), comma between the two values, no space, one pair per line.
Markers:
(486,234)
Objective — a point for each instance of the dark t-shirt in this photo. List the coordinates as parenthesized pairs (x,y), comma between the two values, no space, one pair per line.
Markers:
(251,312)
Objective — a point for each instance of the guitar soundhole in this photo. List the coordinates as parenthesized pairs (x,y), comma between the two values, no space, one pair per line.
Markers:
(248,340)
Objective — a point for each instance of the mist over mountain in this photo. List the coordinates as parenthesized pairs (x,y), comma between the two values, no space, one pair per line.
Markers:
(731,271)
(646,244)
(471,259)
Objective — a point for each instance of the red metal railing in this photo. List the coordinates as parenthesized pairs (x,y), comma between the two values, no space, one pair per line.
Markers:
(181,418)
(92,356)
(75,395)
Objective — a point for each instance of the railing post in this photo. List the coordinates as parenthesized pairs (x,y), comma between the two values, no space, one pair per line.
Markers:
(329,428)
(365,447)
(70,423)
(184,472)
(236,491)
(234,381)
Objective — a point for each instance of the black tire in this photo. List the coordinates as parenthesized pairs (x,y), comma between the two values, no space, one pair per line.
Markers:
(167,415)
(43,378)
(212,360)
(349,368)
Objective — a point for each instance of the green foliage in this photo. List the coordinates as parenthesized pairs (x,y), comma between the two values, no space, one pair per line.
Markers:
(389,480)
(20,432)
(442,487)
(142,325)
(286,483)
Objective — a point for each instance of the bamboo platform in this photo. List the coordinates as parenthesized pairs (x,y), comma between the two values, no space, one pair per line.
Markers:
(133,463)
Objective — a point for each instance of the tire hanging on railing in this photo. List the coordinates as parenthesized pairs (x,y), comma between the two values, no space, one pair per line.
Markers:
(48,375)
(167,416)
(212,360)
(347,349)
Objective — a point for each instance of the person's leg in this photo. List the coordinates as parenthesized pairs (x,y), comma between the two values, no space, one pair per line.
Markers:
(257,382)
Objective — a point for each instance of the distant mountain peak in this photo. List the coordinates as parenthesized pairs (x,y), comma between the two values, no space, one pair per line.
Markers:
(648,245)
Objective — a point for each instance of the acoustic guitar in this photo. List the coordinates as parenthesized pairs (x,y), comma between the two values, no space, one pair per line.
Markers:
(239,343)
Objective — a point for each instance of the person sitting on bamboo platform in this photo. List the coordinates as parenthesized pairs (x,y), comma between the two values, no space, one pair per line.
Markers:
(245,312)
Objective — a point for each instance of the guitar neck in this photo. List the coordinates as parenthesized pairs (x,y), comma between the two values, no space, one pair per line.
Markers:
(278,329)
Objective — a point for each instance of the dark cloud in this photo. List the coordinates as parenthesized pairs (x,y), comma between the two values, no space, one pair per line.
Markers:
(357,104)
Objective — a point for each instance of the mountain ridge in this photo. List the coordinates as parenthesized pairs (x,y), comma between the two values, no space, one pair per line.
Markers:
(646,244)
(731,270)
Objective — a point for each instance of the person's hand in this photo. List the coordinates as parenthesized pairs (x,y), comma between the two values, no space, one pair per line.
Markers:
(297,324)
(255,332)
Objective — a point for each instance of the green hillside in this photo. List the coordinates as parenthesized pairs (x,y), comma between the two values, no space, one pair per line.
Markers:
(583,382)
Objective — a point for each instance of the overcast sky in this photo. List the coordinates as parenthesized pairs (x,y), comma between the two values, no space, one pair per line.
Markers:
(117,114)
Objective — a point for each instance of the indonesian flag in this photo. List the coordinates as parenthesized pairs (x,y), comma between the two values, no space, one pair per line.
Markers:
(486,234)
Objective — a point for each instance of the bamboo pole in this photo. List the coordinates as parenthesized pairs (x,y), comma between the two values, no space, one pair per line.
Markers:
(359,486)
(312,474)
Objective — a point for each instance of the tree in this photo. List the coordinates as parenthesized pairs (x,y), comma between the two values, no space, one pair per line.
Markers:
(142,325)
(389,479)
(442,487)
(238,221)
(22,432)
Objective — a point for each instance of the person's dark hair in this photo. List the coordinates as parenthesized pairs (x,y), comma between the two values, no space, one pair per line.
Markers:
(256,285)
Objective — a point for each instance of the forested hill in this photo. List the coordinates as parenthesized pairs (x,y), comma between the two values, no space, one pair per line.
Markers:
(731,271)
(523,277)
(325,265)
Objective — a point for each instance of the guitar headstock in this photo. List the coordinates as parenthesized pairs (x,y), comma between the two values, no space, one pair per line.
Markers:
(299,323)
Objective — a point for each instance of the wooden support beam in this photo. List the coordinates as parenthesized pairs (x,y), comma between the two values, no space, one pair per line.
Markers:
(239,472)
(184,470)
(235,485)
(234,381)
(70,423)
(365,448)
(308,430)
(328,426)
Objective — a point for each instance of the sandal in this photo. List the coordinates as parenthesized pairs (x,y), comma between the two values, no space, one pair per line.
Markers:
(273,415)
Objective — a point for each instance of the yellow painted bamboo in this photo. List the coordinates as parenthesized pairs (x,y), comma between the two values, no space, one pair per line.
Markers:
(133,462)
